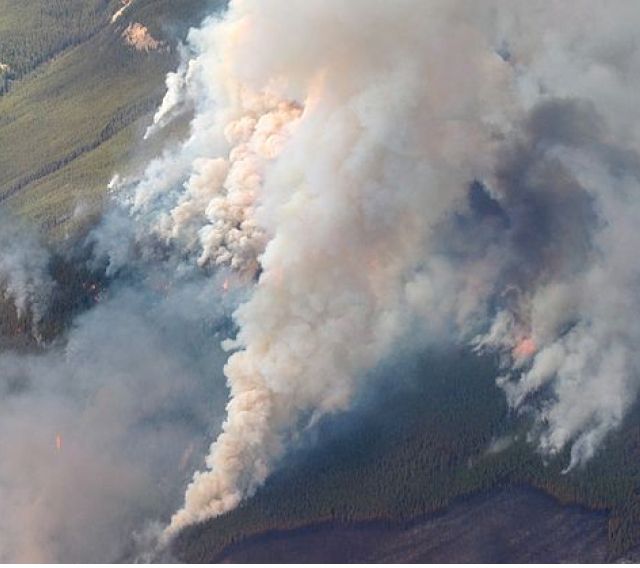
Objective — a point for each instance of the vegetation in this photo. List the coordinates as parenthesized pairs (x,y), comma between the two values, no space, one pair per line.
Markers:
(66,125)
(33,32)
(430,441)
(74,101)
(76,288)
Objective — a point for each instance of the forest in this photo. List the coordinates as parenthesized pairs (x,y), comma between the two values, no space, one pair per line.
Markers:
(34,32)
(76,111)
(427,431)
(430,427)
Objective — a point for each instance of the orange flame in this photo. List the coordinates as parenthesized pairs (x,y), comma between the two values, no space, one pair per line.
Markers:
(525,349)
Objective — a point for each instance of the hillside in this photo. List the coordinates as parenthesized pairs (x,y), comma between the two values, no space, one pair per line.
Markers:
(81,98)
(431,434)
(485,528)
(79,81)
(31,33)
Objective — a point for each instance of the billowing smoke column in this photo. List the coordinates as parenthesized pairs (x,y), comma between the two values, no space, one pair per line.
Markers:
(380,167)
(335,161)
(366,173)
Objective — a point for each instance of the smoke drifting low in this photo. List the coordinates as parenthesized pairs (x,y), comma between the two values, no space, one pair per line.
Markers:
(358,175)
(102,426)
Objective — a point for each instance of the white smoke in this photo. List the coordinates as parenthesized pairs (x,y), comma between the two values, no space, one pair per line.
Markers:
(368,170)
(331,154)
(578,315)
(326,168)
(24,269)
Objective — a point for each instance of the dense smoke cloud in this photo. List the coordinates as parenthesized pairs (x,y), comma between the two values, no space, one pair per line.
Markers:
(330,180)
(358,175)
(461,167)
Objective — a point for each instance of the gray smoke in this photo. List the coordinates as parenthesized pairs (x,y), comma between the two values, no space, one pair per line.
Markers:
(24,276)
(101,428)
(356,175)
(468,169)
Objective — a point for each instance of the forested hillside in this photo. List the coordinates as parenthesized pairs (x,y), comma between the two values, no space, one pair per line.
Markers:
(425,435)
(75,98)
(82,99)
(79,100)
(34,31)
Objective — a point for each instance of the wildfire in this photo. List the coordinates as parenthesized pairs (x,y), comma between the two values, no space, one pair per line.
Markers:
(525,349)
(138,36)
(125,5)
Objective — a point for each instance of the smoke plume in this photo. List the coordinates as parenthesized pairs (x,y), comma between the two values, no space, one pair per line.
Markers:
(358,176)
(24,277)
(460,168)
